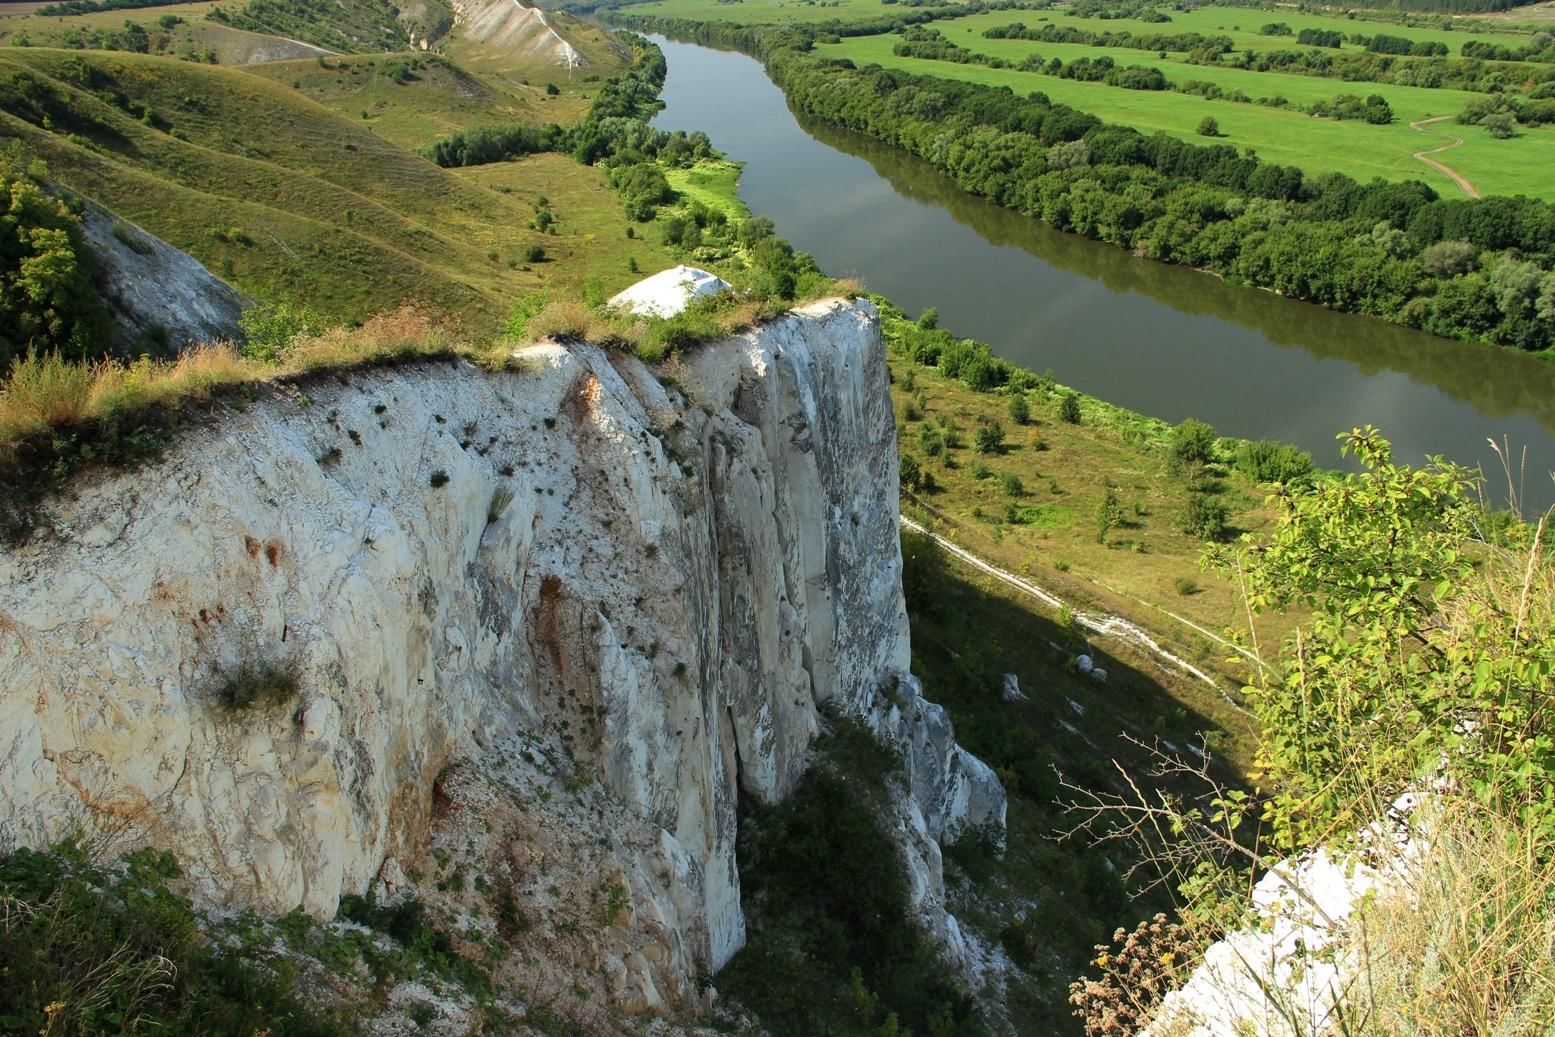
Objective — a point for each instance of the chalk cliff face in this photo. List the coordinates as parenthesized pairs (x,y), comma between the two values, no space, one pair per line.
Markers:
(569,575)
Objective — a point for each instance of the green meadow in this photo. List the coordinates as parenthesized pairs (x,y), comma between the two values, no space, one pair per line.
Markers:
(1519,165)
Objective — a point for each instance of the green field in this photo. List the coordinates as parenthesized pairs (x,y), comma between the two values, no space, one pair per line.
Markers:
(1516,166)
(766,12)
(1240,23)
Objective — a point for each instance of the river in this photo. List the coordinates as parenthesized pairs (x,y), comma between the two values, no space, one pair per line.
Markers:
(1158,339)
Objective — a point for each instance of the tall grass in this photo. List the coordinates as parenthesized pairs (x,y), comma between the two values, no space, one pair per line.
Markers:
(47,392)
(1467,944)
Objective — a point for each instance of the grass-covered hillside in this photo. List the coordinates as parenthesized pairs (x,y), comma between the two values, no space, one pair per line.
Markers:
(286,198)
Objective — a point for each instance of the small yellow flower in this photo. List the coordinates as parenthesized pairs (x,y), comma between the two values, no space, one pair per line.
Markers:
(1168,958)
(1101,962)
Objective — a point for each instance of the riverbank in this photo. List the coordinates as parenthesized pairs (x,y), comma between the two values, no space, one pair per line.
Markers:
(1155,338)
(1325,239)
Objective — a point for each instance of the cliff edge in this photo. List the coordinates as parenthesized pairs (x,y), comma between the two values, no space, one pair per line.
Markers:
(554,620)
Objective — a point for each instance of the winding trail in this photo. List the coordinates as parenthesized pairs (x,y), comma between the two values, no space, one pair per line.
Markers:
(1457,177)
(1102,625)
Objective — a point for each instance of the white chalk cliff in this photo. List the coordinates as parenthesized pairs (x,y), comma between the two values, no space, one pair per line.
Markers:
(569,569)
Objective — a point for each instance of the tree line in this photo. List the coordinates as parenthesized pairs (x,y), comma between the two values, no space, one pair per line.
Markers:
(1470,269)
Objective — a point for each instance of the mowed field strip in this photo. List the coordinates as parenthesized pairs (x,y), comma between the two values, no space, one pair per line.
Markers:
(1517,166)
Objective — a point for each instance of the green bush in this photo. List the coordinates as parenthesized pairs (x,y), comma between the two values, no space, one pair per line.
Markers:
(1428,652)
(1020,410)
(1204,517)
(48,297)
(989,437)
(92,951)
(910,473)
(270,329)
(1069,408)
(1193,443)
(1267,461)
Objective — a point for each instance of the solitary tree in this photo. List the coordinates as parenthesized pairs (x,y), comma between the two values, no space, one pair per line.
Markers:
(1208,127)
(989,437)
(1109,513)
(1020,410)
(1500,125)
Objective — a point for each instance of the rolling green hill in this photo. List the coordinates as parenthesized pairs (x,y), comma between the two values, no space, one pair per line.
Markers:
(283,197)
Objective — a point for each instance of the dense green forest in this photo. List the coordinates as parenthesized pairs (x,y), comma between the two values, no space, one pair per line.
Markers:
(1471,269)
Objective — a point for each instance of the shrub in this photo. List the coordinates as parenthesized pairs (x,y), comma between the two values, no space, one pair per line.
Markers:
(1020,410)
(1500,125)
(1204,517)
(90,951)
(910,473)
(989,437)
(1392,549)
(1267,461)
(1208,127)
(48,296)
(271,329)
(1137,971)
(534,253)
(438,480)
(1109,514)
(1193,443)
(1185,585)
(1069,408)
(1010,483)
(258,687)
(931,440)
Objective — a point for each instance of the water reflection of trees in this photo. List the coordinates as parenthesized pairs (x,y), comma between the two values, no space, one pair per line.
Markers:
(1496,382)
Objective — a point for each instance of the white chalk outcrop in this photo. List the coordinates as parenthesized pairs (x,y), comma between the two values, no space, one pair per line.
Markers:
(1290,972)
(565,569)
(518,29)
(668,292)
(160,296)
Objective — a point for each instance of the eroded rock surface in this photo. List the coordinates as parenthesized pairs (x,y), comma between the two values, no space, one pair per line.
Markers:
(566,572)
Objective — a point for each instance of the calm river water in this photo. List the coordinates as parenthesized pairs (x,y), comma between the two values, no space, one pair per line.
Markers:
(1162,340)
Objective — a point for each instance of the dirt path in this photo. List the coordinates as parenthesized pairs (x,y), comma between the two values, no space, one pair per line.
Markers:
(1102,625)
(1458,178)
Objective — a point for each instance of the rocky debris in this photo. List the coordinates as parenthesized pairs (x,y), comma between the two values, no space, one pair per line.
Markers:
(1012,692)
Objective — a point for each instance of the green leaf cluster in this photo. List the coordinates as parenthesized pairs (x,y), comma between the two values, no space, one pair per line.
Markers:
(1426,661)
(48,297)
